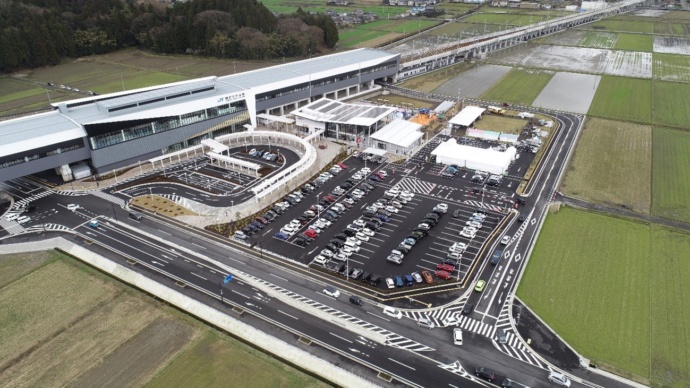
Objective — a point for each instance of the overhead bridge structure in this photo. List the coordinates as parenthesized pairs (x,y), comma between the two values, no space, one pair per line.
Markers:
(477,47)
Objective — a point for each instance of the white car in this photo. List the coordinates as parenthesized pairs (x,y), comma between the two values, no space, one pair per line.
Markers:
(73,207)
(359,222)
(559,378)
(407,194)
(455,256)
(368,232)
(331,291)
(361,236)
(358,192)
(358,176)
(320,259)
(525,115)
(468,233)
(324,222)
(295,223)
(326,253)
(505,240)
(365,170)
(23,219)
(392,209)
(288,231)
(397,204)
(348,248)
(349,201)
(474,224)
(479,215)
(457,336)
(383,173)
(354,240)
(347,253)
(458,247)
(390,311)
(390,283)
(442,207)
(470,229)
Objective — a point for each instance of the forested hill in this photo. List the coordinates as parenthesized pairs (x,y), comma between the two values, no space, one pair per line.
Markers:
(36,33)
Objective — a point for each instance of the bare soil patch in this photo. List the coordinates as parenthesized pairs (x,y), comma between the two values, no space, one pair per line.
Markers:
(162,205)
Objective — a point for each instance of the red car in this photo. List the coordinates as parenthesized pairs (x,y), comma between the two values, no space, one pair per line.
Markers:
(378,174)
(311,233)
(445,267)
(442,274)
(342,166)
(329,198)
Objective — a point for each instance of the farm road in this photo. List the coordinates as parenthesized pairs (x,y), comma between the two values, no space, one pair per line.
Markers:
(624,212)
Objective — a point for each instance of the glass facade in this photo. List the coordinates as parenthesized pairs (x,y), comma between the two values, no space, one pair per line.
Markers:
(162,125)
(236,126)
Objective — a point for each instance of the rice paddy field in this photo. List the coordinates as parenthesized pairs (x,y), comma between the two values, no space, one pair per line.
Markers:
(671,174)
(634,42)
(612,157)
(627,99)
(671,104)
(670,67)
(519,86)
(382,31)
(618,298)
(106,334)
(618,25)
(598,39)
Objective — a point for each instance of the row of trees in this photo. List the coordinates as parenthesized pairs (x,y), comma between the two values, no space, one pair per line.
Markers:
(36,33)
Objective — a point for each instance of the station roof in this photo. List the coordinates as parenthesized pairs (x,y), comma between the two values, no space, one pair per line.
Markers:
(32,132)
(467,116)
(399,132)
(327,110)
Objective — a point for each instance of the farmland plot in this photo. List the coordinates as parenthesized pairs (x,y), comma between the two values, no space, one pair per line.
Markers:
(610,158)
(652,13)
(519,86)
(577,59)
(671,104)
(474,82)
(572,92)
(671,45)
(672,67)
(628,64)
(634,42)
(671,174)
(570,37)
(598,39)
(623,98)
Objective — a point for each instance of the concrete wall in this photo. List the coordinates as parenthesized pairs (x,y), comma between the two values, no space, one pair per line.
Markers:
(43,164)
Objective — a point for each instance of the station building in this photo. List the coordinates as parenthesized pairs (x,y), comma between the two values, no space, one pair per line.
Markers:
(116,130)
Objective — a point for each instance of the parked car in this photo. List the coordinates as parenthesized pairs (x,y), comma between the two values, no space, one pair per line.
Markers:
(443,274)
(427,277)
(485,373)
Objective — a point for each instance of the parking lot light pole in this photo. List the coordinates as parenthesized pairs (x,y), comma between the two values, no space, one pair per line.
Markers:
(318,212)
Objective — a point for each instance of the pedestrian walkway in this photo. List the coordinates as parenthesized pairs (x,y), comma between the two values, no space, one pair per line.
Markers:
(416,185)
(12,227)
(451,316)
(22,202)
(484,205)
(513,346)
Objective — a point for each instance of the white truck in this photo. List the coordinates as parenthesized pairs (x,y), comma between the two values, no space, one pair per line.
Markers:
(525,115)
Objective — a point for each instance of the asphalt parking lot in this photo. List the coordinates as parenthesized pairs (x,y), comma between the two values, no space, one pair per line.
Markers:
(430,188)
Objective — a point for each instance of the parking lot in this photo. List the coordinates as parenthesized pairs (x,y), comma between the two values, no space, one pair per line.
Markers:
(426,189)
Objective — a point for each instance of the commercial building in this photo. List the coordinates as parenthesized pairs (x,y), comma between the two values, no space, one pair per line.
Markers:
(115,130)
(400,137)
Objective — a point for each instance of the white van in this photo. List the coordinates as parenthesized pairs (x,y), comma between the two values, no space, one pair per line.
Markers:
(427,323)
(73,207)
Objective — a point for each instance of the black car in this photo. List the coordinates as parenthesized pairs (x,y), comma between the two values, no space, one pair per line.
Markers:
(418,234)
(522,218)
(452,262)
(304,190)
(349,232)
(324,203)
(496,257)
(328,216)
(430,221)
(332,248)
(305,237)
(270,215)
(341,236)
(521,201)
(403,249)
(433,215)
(337,243)
(367,186)
(457,213)
(257,224)
(277,210)
(372,226)
(485,373)
(375,280)
(291,201)
(375,178)
(368,214)
(366,276)
(478,190)
(469,307)
(248,231)
(300,241)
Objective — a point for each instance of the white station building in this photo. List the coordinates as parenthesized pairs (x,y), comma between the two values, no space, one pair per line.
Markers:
(116,130)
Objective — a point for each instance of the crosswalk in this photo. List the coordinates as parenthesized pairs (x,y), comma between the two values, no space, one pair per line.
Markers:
(513,346)
(46,227)
(22,202)
(111,198)
(416,185)
(451,316)
(12,227)
(484,205)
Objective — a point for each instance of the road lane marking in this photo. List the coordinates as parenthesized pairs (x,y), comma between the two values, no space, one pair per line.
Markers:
(291,316)
(344,339)
(200,246)
(164,232)
(199,276)
(274,275)
(398,362)
(240,294)
(378,316)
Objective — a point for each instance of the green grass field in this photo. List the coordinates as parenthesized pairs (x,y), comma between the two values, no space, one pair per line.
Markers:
(623,98)
(671,67)
(381,31)
(634,42)
(610,158)
(593,287)
(519,86)
(671,174)
(671,104)
(598,39)
(454,10)
(287,6)
(615,290)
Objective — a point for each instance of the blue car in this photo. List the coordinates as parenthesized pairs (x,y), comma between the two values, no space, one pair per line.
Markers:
(281,236)
(399,281)
(375,178)
(383,218)
(409,281)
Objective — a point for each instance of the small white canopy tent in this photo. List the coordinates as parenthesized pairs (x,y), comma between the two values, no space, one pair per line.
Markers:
(473,158)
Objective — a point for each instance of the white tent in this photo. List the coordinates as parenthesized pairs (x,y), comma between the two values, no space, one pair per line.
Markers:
(467,116)
(398,136)
(473,158)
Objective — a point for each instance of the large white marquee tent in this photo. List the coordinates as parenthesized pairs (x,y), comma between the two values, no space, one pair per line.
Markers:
(473,158)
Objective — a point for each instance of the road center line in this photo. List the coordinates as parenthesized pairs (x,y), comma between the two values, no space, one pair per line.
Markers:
(162,231)
(240,294)
(200,246)
(199,276)
(274,275)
